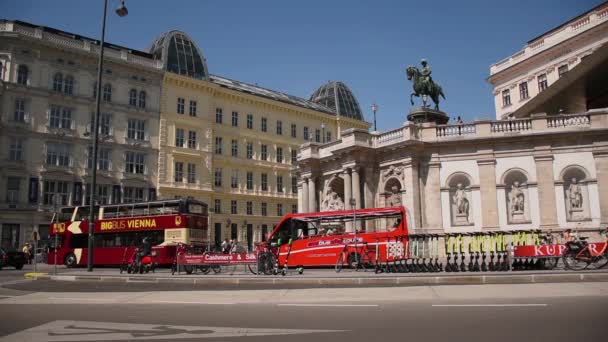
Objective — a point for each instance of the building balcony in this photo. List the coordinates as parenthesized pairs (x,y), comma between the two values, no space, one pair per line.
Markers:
(8,121)
(536,125)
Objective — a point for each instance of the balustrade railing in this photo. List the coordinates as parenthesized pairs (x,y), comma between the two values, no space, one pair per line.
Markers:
(576,120)
(390,137)
(445,131)
(511,126)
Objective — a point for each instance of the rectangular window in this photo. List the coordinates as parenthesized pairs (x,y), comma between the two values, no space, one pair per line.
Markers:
(250,121)
(55,117)
(136,129)
(294,156)
(192,139)
(192,108)
(181,104)
(506,98)
(233,207)
(15,149)
(279,127)
(264,152)
(235,119)
(234,149)
(135,162)
(102,194)
(279,209)
(294,208)
(562,70)
(279,154)
(327,136)
(219,117)
(249,150)
(217,206)
(19,113)
(318,135)
(264,181)
(264,209)
(264,125)
(234,179)
(217,177)
(133,194)
(105,124)
(103,158)
(178,172)
(249,208)
(191,173)
(294,131)
(542,82)
(58,154)
(179,137)
(249,180)
(12,191)
(294,184)
(523,91)
(66,118)
(279,183)
(306,137)
(218,145)
(60,117)
(55,192)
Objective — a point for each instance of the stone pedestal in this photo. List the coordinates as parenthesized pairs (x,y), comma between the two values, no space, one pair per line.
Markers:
(461,220)
(518,217)
(577,214)
(426,114)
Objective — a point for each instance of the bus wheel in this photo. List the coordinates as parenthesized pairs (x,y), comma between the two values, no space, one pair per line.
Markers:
(70,260)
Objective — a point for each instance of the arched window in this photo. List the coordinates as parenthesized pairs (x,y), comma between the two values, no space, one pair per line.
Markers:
(133,97)
(23,74)
(68,86)
(107,92)
(58,82)
(142,99)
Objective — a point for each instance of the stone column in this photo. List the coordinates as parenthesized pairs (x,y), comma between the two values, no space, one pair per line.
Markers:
(487,187)
(546,191)
(411,198)
(368,188)
(601,167)
(356,187)
(300,198)
(347,196)
(312,203)
(305,195)
(432,197)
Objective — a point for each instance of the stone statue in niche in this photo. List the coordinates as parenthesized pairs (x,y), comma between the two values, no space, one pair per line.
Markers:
(332,201)
(574,195)
(462,205)
(516,199)
(394,197)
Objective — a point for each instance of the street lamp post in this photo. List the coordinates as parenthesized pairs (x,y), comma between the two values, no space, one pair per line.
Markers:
(121,11)
(374,110)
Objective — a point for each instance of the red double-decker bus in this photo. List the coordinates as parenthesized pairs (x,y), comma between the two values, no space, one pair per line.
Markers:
(120,228)
(319,239)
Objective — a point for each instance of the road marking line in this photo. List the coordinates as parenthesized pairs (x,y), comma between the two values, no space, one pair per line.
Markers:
(487,305)
(7,296)
(332,305)
(85,299)
(185,302)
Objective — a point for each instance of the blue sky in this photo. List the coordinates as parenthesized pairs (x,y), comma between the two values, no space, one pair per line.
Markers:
(295,46)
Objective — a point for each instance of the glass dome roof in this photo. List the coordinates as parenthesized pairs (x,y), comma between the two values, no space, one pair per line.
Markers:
(180,55)
(338,97)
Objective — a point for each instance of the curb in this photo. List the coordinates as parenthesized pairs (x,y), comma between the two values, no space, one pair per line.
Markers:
(329,281)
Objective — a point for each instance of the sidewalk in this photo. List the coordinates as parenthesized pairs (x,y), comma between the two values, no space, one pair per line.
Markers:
(320,277)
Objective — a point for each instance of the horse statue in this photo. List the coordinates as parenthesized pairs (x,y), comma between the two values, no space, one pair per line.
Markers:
(423,84)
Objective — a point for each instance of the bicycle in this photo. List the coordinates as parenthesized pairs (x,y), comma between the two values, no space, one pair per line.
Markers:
(360,258)
(578,254)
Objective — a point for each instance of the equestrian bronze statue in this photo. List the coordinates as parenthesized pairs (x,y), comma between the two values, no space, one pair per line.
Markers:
(424,85)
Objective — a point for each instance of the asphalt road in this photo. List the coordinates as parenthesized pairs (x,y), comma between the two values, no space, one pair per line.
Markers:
(536,312)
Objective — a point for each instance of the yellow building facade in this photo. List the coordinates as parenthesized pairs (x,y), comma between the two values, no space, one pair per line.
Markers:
(234,145)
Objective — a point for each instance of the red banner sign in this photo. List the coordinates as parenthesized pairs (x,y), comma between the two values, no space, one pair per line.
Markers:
(216,259)
(543,251)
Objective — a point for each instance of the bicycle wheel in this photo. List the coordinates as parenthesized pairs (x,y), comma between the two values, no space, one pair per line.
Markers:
(216,269)
(204,269)
(551,263)
(253,268)
(600,262)
(340,262)
(572,263)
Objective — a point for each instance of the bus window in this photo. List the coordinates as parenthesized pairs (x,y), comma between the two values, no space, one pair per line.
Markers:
(195,208)
(65,214)
(79,241)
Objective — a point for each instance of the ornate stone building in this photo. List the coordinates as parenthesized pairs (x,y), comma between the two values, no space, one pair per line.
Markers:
(47,101)
(546,60)
(546,167)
